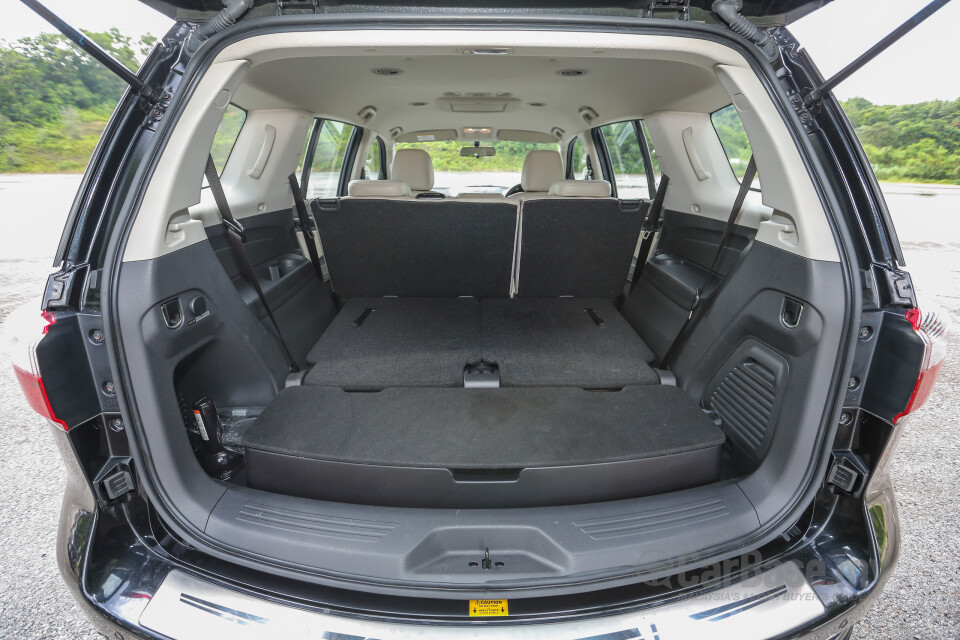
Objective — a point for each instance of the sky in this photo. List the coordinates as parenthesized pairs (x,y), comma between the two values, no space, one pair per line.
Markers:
(921,66)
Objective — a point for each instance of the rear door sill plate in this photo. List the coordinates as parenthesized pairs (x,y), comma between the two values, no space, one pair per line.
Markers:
(763,606)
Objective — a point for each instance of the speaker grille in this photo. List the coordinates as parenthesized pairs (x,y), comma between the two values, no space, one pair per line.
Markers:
(746,394)
(745,400)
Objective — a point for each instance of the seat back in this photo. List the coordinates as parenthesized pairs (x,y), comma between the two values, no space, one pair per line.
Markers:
(423,248)
(576,241)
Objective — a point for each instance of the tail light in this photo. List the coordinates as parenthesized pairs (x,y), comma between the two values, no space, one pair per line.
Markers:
(933,330)
(26,327)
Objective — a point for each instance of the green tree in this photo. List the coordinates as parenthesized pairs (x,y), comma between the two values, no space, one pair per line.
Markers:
(55,99)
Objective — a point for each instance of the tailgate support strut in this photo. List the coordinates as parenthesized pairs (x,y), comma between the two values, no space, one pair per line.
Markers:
(142,88)
(827,85)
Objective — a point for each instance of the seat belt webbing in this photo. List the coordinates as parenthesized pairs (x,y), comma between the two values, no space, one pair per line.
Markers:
(745,184)
(651,225)
(237,236)
(306,229)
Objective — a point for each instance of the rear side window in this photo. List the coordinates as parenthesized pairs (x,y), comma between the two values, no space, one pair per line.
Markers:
(626,159)
(578,164)
(323,180)
(226,136)
(374,163)
(733,137)
(653,153)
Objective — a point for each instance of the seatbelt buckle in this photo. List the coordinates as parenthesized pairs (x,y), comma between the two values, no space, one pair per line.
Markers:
(308,230)
(236,229)
(647,229)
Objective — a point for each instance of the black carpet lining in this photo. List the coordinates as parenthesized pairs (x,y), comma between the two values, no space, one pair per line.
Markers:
(579,342)
(483,428)
(376,343)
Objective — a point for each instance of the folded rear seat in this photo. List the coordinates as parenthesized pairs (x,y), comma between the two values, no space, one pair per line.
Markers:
(424,441)
(400,246)
(375,343)
(577,241)
(579,342)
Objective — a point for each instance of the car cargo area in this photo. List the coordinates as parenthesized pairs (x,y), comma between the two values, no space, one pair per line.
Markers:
(462,392)
(432,302)
(403,408)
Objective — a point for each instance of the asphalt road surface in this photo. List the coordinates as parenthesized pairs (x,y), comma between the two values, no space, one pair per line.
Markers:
(922,599)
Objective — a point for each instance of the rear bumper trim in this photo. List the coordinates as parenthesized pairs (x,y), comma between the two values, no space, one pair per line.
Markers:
(763,606)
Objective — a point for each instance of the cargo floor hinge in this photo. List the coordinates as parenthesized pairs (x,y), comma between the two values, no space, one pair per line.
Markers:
(847,473)
(114,480)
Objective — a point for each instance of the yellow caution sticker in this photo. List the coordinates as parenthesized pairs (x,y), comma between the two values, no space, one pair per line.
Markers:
(487,608)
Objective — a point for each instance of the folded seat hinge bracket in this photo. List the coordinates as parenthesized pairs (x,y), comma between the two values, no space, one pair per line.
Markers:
(481,375)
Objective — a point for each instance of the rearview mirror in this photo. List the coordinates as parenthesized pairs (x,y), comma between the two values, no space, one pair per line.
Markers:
(478,152)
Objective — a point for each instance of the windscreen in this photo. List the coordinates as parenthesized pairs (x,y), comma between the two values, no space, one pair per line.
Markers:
(455,174)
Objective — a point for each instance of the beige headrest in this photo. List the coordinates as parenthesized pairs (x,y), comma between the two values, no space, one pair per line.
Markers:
(414,167)
(581,188)
(479,196)
(377,189)
(541,168)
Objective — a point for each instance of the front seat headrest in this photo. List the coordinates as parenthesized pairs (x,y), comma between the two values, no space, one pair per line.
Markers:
(414,167)
(541,168)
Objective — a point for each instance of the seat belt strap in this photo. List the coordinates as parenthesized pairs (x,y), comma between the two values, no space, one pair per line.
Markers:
(237,236)
(648,230)
(745,185)
(307,230)
(695,310)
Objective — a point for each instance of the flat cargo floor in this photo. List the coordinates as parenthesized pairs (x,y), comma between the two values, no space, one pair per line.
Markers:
(376,343)
(446,447)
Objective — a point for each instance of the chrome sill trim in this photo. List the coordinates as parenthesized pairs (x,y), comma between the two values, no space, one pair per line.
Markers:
(764,606)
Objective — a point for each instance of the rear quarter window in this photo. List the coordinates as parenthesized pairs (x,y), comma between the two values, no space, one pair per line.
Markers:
(328,159)
(226,136)
(733,137)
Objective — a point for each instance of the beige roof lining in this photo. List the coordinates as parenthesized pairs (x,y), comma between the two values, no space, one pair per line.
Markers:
(692,77)
(627,76)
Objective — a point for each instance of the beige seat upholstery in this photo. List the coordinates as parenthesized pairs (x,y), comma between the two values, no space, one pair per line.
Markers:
(467,195)
(378,189)
(541,168)
(414,167)
(580,189)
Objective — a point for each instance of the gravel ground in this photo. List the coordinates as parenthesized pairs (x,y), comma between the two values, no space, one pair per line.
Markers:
(922,599)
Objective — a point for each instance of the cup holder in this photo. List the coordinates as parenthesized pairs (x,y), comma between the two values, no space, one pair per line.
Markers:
(280,269)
